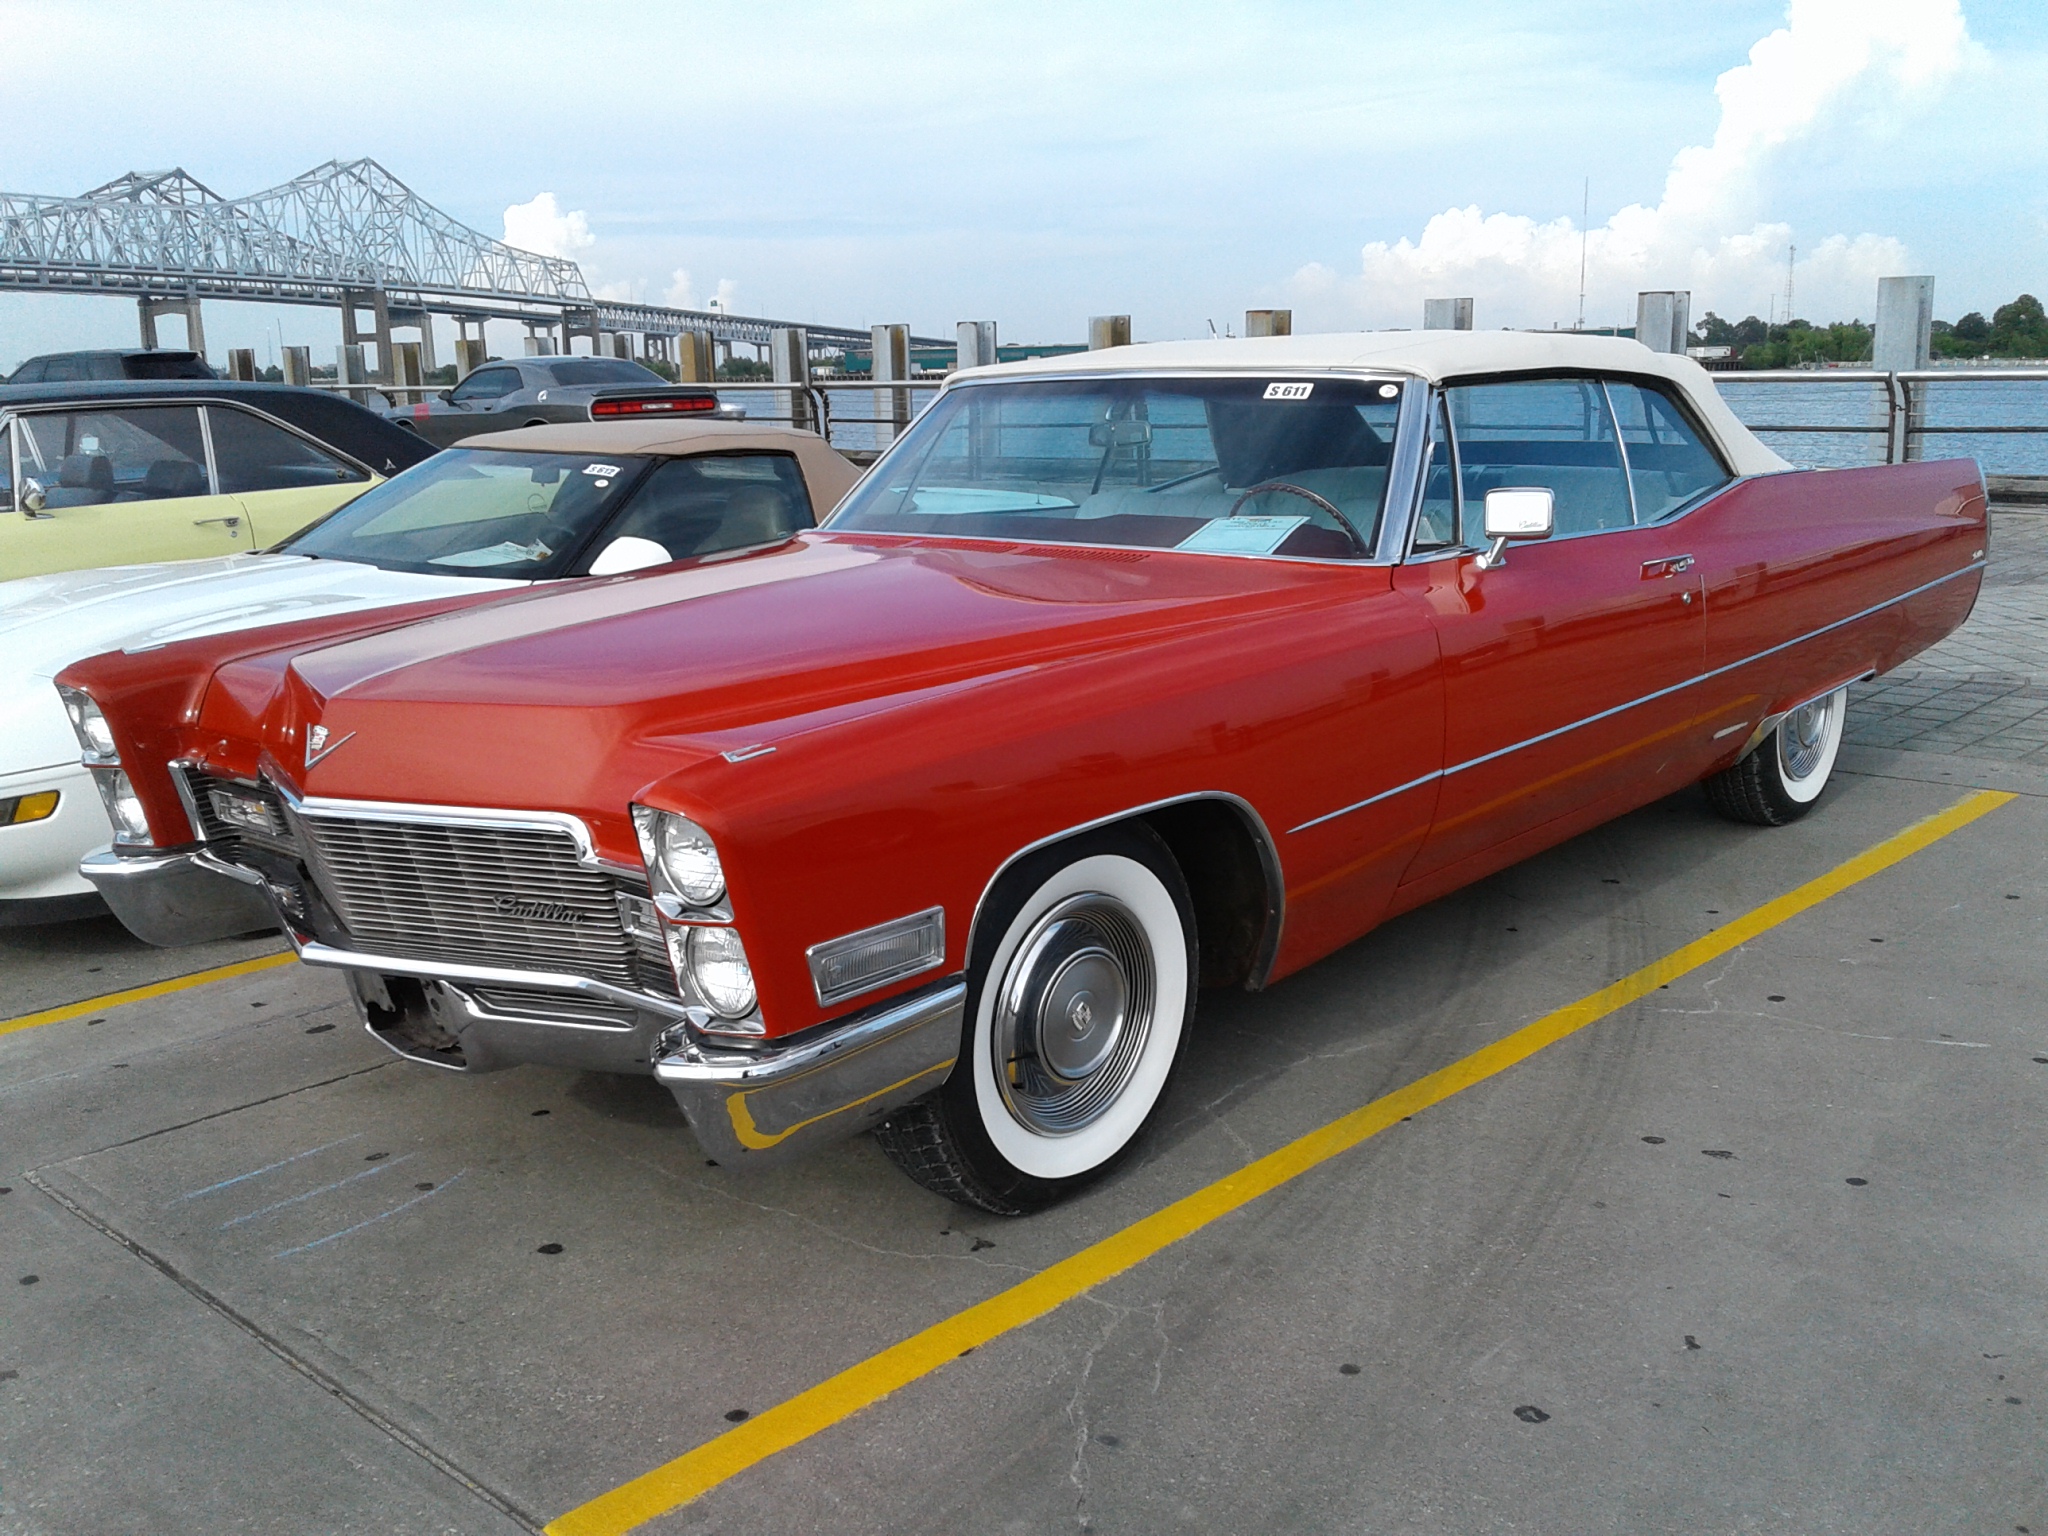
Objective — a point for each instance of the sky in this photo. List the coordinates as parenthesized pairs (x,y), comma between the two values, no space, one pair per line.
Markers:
(1035,164)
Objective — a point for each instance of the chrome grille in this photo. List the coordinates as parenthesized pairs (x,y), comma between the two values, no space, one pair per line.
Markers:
(516,896)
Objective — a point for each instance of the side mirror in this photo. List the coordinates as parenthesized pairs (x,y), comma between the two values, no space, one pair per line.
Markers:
(1514,513)
(445,396)
(627,553)
(33,497)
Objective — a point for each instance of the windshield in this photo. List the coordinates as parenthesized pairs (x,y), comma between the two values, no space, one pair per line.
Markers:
(601,370)
(477,512)
(1227,466)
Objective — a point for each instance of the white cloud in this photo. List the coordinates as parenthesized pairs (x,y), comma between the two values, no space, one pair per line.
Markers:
(1879,59)
(540,226)
(682,292)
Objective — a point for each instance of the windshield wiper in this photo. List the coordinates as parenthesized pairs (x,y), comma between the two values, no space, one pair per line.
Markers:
(1167,485)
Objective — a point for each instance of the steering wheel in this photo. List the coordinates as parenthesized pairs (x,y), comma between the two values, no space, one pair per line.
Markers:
(1265,486)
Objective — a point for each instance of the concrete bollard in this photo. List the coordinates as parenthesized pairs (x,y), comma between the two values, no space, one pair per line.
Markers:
(696,358)
(242,364)
(349,370)
(977,344)
(1902,342)
(1664,320)
(298,366)
(789,358)
(1447,314)
(1269,322)
(1108,331)
(892,362)
(405,364)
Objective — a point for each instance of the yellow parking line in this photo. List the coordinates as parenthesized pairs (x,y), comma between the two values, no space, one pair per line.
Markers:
(143,994)
(840,1397)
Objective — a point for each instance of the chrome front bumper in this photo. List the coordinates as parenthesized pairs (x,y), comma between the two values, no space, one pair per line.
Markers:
(179,898)
(748,1104)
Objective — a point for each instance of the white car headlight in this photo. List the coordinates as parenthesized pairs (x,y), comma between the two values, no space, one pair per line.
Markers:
(124,807)
(679,856)
(95,737)
(718,965)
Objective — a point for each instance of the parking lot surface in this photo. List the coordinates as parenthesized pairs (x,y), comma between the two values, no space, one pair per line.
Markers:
(1765,1250)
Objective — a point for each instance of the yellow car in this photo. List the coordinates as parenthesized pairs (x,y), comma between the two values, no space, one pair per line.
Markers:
(132,471)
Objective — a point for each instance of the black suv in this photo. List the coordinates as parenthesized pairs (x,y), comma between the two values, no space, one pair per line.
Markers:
(77,367)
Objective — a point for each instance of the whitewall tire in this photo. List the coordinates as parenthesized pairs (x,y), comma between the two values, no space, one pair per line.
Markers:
(1782,778)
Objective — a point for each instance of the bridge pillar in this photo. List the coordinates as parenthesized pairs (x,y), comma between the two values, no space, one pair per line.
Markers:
(187,305)
(1447,314)
(353,302)
(1269,322)
(242,364)
(579,322)
(298,366)
(1664,320)
(421,320)
(349,369)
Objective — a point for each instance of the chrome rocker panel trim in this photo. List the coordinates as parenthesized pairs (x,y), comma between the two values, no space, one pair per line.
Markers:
(171,899)
(786,1099)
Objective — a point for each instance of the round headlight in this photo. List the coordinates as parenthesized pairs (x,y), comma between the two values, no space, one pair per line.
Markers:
(124,806)
(686,856)
(88,724)
(718,964)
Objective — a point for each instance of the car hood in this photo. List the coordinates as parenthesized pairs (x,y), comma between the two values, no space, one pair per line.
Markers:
(546,697)
(48,622)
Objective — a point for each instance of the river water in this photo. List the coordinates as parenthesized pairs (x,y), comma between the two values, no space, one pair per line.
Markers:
(1958,402)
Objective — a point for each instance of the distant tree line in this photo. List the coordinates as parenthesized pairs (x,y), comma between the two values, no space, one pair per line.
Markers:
(2018,329)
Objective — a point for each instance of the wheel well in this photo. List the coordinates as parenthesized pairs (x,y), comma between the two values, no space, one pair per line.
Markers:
(1233,882)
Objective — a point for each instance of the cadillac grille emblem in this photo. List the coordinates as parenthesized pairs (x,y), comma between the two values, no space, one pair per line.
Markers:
(317,745)
(539,911)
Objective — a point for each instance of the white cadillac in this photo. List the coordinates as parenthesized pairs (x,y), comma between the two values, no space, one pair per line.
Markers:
(499,511)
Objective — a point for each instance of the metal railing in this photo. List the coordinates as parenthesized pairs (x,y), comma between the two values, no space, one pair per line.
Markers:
(1903,407)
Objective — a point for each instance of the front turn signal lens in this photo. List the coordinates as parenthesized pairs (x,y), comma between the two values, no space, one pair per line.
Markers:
(40,806)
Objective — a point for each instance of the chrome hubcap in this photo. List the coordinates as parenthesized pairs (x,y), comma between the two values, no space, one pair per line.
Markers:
(1803,737)
(1073,1013)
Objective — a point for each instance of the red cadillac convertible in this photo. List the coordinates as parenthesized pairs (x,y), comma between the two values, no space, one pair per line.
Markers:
(1118,675)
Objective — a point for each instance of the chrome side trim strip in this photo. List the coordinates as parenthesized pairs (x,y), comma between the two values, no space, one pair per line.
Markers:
(1607,714)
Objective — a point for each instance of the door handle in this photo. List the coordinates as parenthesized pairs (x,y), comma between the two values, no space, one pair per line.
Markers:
(1670,566)
(232,522)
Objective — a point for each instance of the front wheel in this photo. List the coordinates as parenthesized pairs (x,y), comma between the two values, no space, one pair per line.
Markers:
(1780,781)
(1079,999)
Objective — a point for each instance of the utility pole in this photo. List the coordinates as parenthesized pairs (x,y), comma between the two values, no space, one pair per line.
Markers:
(1585,212)
(1791,253)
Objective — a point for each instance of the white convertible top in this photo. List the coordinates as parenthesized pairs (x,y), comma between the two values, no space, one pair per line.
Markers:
(1438,356)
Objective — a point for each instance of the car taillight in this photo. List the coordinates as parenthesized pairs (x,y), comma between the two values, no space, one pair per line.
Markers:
(656,405)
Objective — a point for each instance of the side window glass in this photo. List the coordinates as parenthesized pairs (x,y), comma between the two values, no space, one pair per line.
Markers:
(1436,521)
(29,373)
(63,370)
(486,384)
(713,502)
(1556,433)
(1668,464)
(138,453)
(6,469)
(251,454)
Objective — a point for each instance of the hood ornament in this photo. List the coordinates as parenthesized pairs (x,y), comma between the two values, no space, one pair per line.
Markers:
(317,745)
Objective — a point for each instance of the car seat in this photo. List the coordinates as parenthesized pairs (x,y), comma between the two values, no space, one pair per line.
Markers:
(83,480)
(174,477)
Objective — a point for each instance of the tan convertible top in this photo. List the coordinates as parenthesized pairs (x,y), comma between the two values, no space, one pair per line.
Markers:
(829,475)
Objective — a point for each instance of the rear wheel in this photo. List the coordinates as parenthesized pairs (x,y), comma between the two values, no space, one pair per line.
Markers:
(1079,999)
(1780,781)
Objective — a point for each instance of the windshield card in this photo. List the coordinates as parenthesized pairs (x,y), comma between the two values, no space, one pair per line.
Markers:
(1241,535)
(606,470)
(1288,391)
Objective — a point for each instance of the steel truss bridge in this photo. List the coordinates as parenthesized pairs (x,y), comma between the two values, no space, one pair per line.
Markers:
(347,234)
